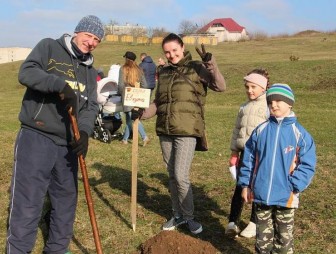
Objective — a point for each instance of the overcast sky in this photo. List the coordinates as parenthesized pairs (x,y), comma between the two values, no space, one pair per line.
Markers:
(24,22)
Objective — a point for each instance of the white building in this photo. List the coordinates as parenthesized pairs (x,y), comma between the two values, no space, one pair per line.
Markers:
(13,54)
(225,29)
(127,29)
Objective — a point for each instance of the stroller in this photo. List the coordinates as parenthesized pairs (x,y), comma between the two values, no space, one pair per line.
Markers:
(108,121)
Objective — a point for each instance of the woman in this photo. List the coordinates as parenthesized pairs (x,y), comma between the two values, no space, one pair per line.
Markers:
(179,101)
(129,75)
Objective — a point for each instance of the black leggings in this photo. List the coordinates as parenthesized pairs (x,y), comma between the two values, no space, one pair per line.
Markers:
(237,204)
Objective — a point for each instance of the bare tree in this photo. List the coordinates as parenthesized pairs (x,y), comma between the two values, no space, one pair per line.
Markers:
(110,25)
(187,27)
(137,31)
(201,23)
(150,31)
(157,32)
(113,22)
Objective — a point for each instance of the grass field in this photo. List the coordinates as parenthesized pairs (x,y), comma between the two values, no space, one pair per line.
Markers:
(313,79)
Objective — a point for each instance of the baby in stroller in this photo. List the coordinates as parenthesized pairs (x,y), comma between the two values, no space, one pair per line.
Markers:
(109,119)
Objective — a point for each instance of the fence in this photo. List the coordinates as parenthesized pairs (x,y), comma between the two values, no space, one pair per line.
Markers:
(192,39)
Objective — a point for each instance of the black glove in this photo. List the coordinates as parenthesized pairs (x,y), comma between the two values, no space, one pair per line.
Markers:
(70,99)
(136,113)
(80,147)
(206,56)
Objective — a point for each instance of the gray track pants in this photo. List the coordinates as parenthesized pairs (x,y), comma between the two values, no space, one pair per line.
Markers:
(178,153)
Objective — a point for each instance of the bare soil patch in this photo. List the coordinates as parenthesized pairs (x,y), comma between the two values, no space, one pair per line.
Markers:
(174,242)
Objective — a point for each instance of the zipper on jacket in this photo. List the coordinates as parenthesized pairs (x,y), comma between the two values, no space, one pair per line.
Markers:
(273,161)
(169,97)
(38,112)
(76,64)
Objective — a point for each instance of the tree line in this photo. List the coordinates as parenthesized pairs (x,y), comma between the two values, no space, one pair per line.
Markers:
(185,27)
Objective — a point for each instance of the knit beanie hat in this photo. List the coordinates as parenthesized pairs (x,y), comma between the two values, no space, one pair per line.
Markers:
(280,92)
(257,79)
(91,24)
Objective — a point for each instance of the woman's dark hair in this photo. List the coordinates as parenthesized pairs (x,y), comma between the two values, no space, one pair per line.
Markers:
(262,72)
(172,37)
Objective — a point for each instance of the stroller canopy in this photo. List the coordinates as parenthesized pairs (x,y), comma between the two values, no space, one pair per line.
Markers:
(114,72)
(107,95)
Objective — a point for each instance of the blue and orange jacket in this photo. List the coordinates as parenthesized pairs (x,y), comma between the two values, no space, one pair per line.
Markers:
(279,162)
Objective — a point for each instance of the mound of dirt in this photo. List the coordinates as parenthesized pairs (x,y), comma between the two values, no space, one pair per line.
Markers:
(174,242)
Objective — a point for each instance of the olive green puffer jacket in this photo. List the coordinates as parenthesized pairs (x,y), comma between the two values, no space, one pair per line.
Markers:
(179,109)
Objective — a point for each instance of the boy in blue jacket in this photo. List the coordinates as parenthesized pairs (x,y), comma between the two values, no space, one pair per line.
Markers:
(279,163)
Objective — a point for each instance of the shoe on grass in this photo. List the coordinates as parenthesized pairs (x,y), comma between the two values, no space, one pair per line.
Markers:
(145,141)
(232,230)
(173,223)
(194,226)
(249,231)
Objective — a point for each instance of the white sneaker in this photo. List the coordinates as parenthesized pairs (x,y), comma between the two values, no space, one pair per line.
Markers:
(249,231)
(232,230)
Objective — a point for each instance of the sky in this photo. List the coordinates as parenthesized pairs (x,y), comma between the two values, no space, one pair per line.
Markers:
(25,22)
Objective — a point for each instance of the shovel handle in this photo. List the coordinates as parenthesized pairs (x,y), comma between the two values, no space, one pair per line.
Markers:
(88,197)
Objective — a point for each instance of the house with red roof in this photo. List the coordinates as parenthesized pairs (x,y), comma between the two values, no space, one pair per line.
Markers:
(225,29)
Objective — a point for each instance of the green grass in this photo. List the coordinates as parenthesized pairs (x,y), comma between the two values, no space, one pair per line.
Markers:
(313,79)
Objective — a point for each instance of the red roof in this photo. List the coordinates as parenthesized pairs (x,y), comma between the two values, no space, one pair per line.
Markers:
(228,23)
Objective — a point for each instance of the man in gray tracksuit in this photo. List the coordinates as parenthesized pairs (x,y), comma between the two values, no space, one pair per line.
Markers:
(58,75)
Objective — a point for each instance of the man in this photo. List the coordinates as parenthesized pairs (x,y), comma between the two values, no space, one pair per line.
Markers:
(58,75)
(149,69)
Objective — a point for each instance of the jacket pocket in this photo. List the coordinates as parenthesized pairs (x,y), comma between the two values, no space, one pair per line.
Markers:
(289,184)
(38,109)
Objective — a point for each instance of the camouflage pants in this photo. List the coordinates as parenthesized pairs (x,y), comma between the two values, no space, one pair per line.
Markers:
(274,229)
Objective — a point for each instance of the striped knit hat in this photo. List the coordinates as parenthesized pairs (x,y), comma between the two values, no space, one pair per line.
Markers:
(280,92)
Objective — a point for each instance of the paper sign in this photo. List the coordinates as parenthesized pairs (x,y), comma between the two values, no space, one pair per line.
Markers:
(233,171)
(137,97)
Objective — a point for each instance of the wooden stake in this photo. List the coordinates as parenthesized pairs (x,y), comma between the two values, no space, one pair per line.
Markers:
(134,171)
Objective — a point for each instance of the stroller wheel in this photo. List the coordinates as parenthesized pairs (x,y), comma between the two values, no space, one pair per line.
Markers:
(106,136)
(95,134)
(117,136)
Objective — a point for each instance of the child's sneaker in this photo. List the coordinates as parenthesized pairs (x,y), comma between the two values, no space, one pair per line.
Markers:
(194,226)
(232,230)
(249,231)
(173,223)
